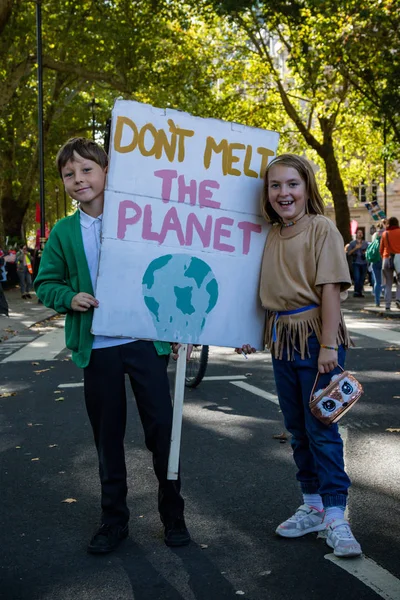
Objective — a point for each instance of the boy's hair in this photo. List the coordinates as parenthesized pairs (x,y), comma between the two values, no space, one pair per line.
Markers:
(314,203)
(85,148)
(393,222)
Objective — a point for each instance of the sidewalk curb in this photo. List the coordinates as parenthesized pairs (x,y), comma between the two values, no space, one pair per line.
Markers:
(22,316)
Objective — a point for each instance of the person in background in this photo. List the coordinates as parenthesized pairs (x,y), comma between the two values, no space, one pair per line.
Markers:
(390,245)
(356,249)
(377,267)
(24,271)
(3,277)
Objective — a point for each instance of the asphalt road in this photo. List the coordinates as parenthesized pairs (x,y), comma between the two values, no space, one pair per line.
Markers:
(238,483)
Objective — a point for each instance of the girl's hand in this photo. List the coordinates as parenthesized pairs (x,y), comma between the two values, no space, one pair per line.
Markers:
(246,348)
(175,350)
(83,301)
(327,360)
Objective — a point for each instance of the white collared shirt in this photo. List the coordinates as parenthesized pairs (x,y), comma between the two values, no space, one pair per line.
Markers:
(91,230)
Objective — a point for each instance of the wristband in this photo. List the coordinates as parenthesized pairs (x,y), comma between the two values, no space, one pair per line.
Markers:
(329,347)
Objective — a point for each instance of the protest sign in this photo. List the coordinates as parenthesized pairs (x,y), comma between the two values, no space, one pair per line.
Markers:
(182,235)
(375,210)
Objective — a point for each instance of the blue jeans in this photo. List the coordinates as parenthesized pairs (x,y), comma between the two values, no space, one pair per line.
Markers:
(359,272)
(377,279)
(317,449)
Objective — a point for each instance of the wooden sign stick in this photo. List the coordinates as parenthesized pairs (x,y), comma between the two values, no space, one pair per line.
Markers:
(179,395)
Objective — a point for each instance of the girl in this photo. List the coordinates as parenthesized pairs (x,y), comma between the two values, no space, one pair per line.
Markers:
(304,269)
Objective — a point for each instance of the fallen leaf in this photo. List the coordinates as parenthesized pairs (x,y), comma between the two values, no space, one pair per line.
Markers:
(41,371)
(203,546)
(35,364)
(8,394)
(29,424)
(248,375)
(280,436)
(18,446)
(396,396)
(57,392)
(32,459)
(239,593)
(393,430)
(263,573)
(53,445)
(68,500)
(59,399)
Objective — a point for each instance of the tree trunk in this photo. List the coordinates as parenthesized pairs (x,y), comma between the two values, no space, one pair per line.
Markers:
(335,185)
(13,211)
(334,181)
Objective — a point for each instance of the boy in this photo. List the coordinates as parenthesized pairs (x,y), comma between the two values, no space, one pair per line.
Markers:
(66,282)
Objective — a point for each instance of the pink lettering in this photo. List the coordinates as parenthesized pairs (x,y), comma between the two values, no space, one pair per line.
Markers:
(172,223)
(147,233)
(204,233)
(167,176)
(187,190)
(123,220)
(248,228)
(205,194)
(220,232)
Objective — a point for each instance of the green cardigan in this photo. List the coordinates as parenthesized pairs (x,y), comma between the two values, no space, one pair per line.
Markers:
(63,273)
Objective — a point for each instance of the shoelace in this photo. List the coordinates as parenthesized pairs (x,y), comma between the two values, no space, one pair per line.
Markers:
(299,514)
(104,529)
(344,532)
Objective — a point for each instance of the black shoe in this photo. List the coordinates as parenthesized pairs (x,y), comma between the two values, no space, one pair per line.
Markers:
(28,296)
(176,533)
(23,296)
(107,538)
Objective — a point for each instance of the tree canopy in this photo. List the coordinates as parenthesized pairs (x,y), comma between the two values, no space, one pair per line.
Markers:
(323,73)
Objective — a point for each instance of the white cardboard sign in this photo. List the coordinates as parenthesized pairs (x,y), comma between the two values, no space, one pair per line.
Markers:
(182,236)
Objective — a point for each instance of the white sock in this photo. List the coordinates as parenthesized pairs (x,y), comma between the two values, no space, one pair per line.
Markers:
(334,512)
(313,500)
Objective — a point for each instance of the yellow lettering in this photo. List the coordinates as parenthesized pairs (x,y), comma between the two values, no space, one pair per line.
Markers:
(121,121)
(169,147)
(234,159)
(149,127)
(247,162)
(212,146)
(265,153)
(181,134)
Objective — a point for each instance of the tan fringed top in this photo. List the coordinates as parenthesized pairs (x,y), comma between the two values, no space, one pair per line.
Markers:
(297,261)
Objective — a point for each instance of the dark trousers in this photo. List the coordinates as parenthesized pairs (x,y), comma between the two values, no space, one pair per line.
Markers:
(25,280)
(105,396)
(359,273)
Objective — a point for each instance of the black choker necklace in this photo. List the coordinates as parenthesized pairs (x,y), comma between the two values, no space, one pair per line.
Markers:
(291,223)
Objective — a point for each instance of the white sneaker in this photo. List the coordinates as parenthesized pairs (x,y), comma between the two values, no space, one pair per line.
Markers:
(305,520)
(341,539)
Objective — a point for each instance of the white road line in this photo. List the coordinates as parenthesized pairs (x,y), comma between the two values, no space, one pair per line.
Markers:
(71,385)
(45,347)
(370,573)
(225,378)
(373,330)
(257,391)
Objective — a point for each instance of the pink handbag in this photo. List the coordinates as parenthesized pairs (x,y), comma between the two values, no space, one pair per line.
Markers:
(330,404)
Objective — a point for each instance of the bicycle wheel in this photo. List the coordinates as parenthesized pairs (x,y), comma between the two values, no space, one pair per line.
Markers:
(196,366)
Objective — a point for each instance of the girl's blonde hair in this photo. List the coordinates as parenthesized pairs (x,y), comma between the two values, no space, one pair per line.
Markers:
(314,203)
